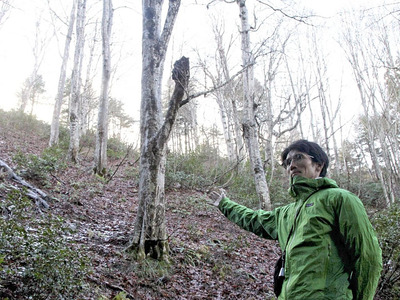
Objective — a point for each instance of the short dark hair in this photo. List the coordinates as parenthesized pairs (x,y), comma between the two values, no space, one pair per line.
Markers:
(312,149)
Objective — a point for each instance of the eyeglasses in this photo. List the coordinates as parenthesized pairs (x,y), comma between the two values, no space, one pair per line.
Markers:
(295,158)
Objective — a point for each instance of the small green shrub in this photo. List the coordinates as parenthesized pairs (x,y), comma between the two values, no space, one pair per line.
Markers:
(151,269)
(243,189)
(16,120)
(116,149)
(278,188)
(371,193)
(41,167)
(387,224)
(38,259)
(197,169)
(87,141)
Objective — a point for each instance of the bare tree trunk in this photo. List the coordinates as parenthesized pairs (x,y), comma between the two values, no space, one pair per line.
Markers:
(226,98)
(87,93)
(250,130)
(55,124)
(102,124)
(366,54)
(359,77)
(76,83)
(34,83)
(227,130)
(149,237)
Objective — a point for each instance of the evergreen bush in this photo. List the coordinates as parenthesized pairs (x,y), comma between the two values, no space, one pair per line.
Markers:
(196,170)
(16,120)
(40,168)
(38,259)
(387,224)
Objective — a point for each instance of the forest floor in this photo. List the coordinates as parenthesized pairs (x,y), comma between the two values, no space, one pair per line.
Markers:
(211,258)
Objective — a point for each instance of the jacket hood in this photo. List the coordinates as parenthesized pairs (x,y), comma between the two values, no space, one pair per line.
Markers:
(304,186)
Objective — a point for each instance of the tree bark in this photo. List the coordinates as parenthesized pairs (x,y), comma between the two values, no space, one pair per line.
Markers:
(150,232)
(55,124)
(250,130)
(76,83)
(88,96)
(149,237)
(102,124)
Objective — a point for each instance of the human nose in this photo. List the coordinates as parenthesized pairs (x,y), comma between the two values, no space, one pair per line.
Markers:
(291,164)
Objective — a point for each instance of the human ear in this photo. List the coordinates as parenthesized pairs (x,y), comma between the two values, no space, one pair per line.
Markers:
(319,167)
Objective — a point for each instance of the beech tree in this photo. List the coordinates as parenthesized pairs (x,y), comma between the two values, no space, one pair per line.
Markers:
(76,82)
(250,129)
(89,99)
(149,237)
(102,123)
(55,123)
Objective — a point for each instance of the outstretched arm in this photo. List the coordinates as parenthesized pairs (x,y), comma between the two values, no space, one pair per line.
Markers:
(260,222)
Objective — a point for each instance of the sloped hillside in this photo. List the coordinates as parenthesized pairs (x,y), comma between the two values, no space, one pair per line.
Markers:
(210,257)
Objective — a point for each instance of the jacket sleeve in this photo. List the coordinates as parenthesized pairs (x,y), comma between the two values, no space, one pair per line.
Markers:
(260,222)
(362,246)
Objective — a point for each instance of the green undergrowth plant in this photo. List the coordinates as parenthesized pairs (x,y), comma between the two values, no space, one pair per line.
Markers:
(387,223)
(190,256)
(151,269)
(116,149)
(242,188)
(38,256)
(234,244)
(16,120)
(195,170)
(40,167)
(278,187)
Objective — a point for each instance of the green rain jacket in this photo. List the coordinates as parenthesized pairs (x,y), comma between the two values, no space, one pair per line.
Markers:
(333,252)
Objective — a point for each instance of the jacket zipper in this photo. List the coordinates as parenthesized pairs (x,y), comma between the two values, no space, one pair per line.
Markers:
(294,233)
(291,241)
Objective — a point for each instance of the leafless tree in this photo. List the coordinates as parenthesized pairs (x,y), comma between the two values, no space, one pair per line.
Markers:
(55,124)
(76,82)
(102,123)
(369,50)
(228,95)
(280,106)
(250,130)
(89,103)
(150,237)
(34,84)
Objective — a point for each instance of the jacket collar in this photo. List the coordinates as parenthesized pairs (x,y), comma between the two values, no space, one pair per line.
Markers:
(301,187)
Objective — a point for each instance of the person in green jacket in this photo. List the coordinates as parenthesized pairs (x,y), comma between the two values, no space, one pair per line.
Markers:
(331,248)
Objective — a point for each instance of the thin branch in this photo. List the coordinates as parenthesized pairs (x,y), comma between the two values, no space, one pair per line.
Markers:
(300,19)
(204,93)
(121,162)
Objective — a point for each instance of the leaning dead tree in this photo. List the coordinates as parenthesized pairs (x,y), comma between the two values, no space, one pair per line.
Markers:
(32,192)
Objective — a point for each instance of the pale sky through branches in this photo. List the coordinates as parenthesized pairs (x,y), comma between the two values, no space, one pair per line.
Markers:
(192,34)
